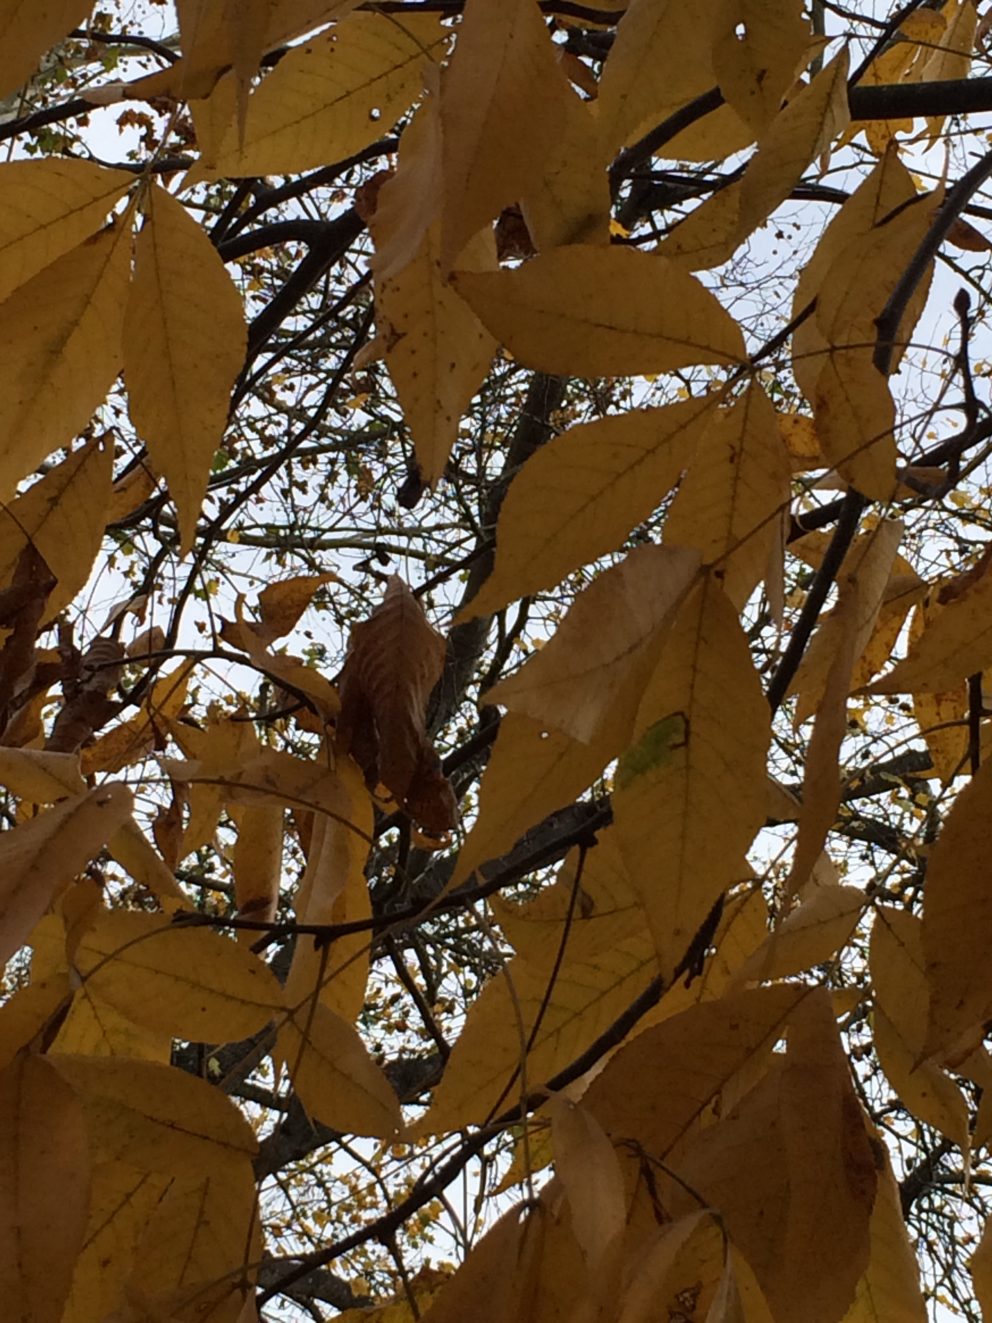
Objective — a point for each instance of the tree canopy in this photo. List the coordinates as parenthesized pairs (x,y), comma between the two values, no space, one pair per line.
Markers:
(495,591)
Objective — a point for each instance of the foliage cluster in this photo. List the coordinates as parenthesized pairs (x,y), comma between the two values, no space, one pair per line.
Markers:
(494,597)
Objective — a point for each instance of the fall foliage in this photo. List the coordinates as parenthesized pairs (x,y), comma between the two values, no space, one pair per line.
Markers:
(495,592)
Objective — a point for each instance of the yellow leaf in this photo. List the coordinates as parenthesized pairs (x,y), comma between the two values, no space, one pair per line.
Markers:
(156,1118)
(570,200)
(257,863)
(955,643)
(63,515)
(900,1026)
(685,1261)
(282,603)
(336,1080)
(530,773)
(60,350)
(580,495)
(880,196)
(661,58)
(605,646)
(44,1189)
(39,858)
(533,1019)
(591,311)
(586,1164)
(889,1291)
(797,135)
(501,114)
(953,56)
(770,1168)
(332,95)
(813,932)
(738,480)
(183,349)
(30,1010)
(121,1201)
(40,777)
(706,693)
(26,33)
(190,983)
(50,206)
(957,919)
(130,847)
(756,69)
(93,1027)
(437,350)
(199,1249)
(135,737)
(334,889)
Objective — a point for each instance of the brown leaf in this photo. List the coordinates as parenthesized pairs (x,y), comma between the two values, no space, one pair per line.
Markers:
(394,661)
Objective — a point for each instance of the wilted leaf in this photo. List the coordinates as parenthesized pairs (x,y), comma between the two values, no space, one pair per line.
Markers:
(394,660)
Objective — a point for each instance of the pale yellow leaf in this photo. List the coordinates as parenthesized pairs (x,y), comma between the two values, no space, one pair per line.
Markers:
(437,350)
(900,1026)
(738,480)
(582,493)
(591,311)
(132,850)
(184,346)
(156,1118)
(684,1262)
(332,95)
(953,56)
(60,350)
(708,768)
(27,30)
(63,515)
(257,863)
(30,1010)
(190,983)
(408,202)
(93,1027)
(530,773)
(605,645)
(40,858)
(957,918)
(49,206)
(336,1080)
(570,200)
(44,1189)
